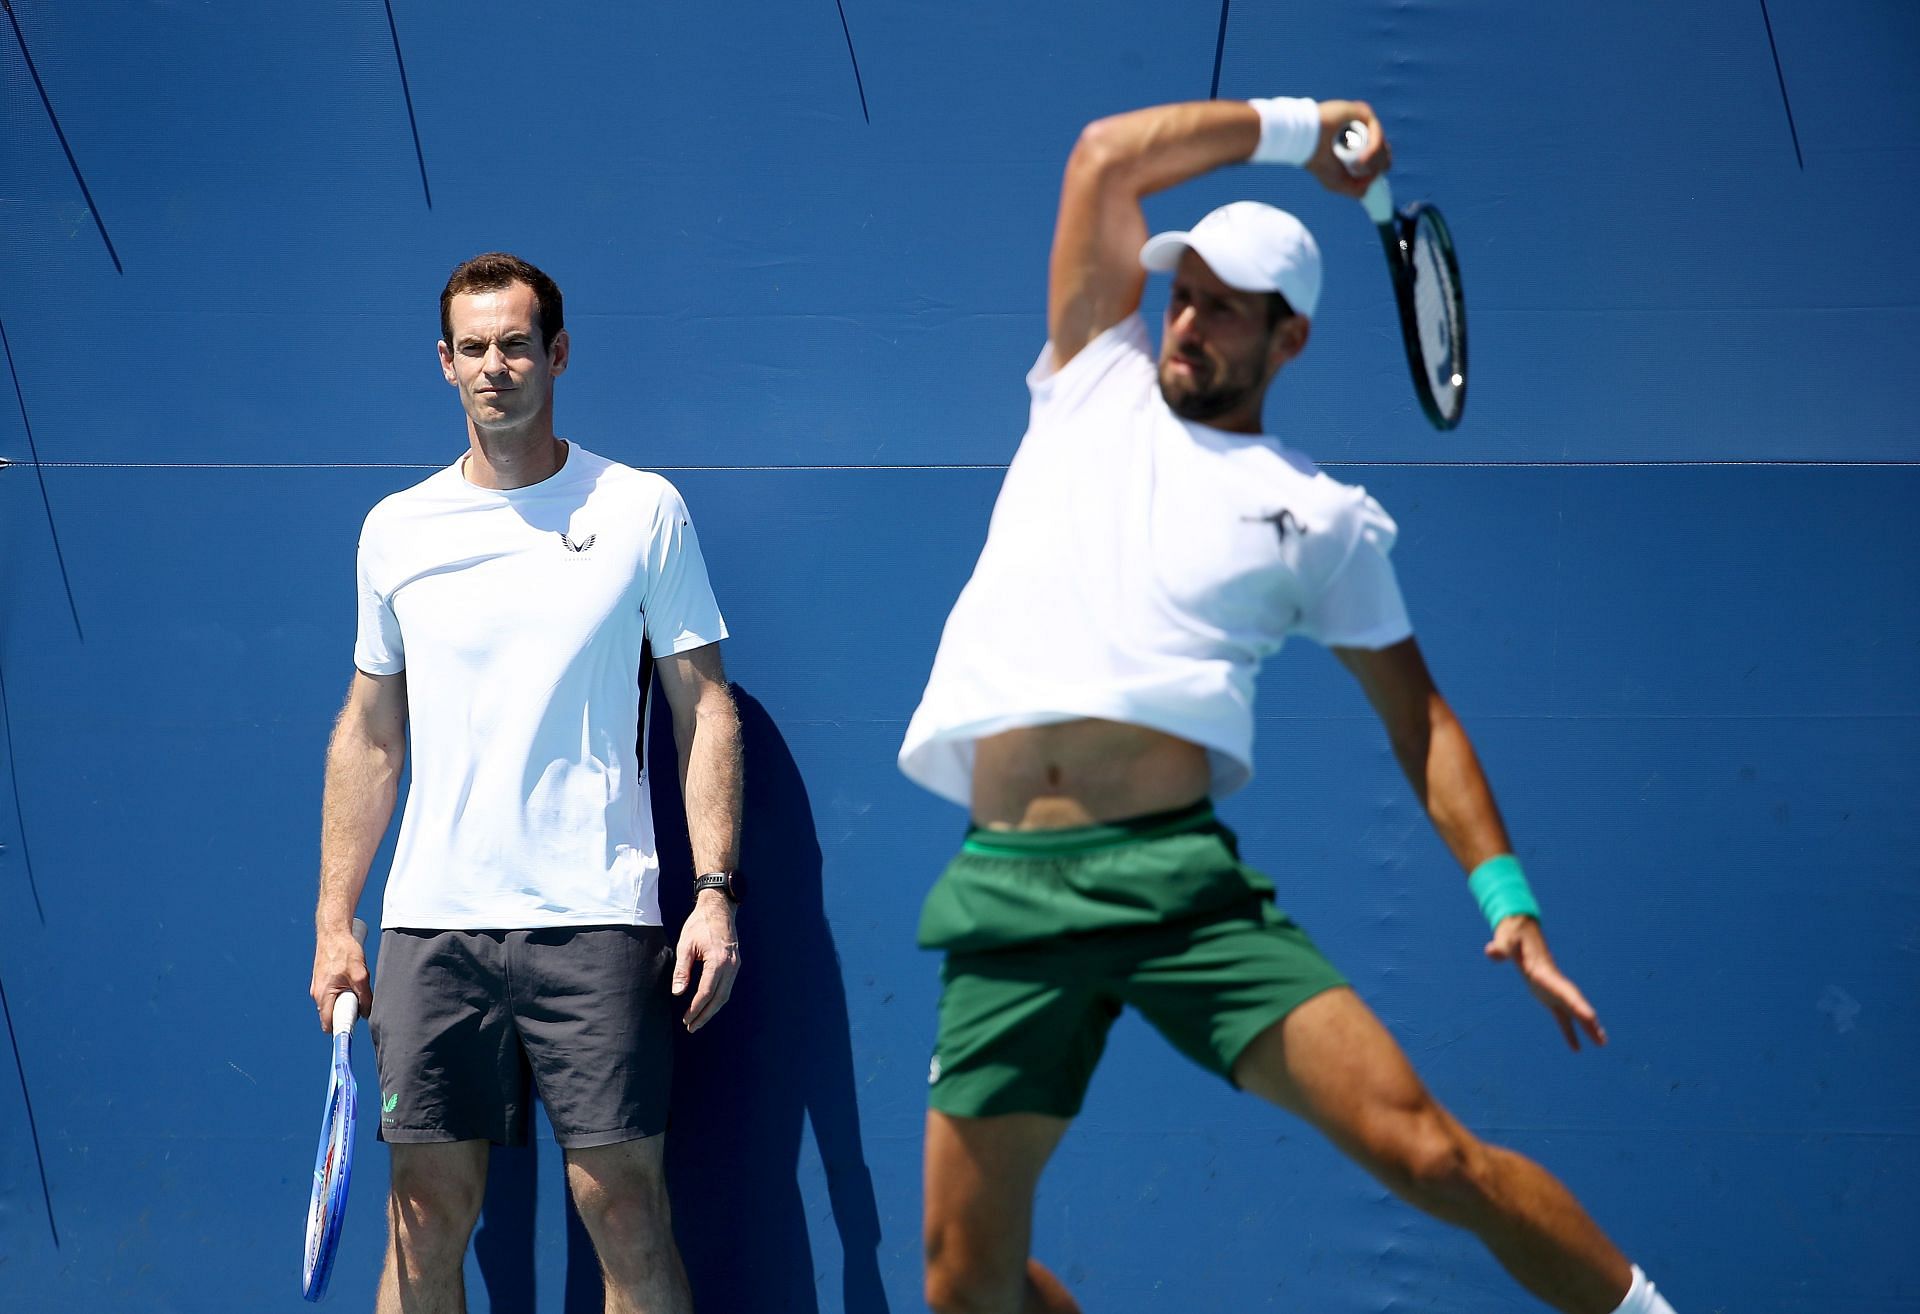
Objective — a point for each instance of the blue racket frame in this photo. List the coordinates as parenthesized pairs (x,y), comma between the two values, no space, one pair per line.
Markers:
(328,1205)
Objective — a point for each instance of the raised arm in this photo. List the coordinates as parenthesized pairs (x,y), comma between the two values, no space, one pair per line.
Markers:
(1439,761)
(1095,277)
(706,735)
(364,760)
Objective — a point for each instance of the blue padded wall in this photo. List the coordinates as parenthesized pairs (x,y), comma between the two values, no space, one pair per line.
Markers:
(1663,569)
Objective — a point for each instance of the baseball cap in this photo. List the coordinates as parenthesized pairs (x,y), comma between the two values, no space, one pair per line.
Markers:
(1252,247)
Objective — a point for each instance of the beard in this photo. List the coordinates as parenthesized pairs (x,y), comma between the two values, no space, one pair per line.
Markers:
(1209,394)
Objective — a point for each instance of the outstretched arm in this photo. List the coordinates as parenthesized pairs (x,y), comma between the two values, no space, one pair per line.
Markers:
(364,759)
(706,733)
(1095,277)
(1439,761)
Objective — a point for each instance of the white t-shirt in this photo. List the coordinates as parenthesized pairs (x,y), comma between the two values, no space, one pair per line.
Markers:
(521,617)
(1139,567)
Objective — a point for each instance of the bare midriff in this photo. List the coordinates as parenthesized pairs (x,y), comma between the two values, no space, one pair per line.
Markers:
(1082,773)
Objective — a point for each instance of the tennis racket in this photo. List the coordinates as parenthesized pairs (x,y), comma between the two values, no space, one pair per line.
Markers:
(333,1165)
(1426,286)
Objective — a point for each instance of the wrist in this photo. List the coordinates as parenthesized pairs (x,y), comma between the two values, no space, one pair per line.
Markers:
(1289,130)
(725,885)
(1502,891)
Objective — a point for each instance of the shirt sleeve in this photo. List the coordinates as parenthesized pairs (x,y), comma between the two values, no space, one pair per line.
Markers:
(1360,605)
(377,646)
(1119,358)
(680,607)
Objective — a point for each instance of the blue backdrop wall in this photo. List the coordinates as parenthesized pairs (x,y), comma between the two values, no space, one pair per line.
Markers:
(1664,569)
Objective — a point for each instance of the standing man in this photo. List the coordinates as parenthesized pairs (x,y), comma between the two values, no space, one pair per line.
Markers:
(1094,689)
(515,608)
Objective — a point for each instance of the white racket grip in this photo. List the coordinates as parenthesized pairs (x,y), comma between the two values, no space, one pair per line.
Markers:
(1348,144)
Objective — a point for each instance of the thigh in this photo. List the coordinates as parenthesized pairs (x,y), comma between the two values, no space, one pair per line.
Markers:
(629,1172)
(449,1175)
(1021,1031)
(450,1064)
(1212,985)
(1333,1063)
(980,1179)
(595,1013)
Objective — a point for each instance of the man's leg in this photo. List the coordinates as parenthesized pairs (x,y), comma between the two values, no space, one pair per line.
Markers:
(435,1198)
(1332,1062)
(980,1178)
(621,1192)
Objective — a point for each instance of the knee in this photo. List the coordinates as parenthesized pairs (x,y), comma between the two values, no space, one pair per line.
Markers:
(433,1212)
(957,1285)
(950,1291)
(629,1208)
(1434,1162)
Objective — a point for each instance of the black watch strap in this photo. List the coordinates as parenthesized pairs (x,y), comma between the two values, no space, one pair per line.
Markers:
(718,880)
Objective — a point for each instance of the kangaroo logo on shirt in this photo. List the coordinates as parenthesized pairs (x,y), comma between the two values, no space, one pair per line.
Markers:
(581,546)
(1281,520)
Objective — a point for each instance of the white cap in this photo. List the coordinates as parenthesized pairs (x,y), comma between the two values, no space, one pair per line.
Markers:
(1250,246)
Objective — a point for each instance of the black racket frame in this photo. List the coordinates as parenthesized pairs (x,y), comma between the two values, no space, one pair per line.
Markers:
(1396,237)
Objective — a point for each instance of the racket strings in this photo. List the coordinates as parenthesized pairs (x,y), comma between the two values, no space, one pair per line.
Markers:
(1438,313)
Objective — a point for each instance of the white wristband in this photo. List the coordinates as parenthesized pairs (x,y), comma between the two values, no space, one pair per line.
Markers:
(1289,130)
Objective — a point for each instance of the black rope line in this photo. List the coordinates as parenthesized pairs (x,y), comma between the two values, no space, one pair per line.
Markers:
(33,1128)
(1219,51)
(1780,74)
(46,503)
(19,813)
(92,210)
(858,85)
(407,91)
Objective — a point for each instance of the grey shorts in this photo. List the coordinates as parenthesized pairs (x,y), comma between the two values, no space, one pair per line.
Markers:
(468,1024)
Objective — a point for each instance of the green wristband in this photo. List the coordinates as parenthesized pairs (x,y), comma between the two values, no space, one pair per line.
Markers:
(1501,887)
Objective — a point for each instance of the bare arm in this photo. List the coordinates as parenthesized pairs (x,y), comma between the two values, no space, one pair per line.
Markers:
(364,761)
(1095,279)
(1432,748)
(1439,761)
(706,736)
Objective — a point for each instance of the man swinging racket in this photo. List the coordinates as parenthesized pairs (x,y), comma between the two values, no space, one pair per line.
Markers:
(1094,690)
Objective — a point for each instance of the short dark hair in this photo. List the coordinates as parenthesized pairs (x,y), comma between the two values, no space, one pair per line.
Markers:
(492,272)
(1278,308)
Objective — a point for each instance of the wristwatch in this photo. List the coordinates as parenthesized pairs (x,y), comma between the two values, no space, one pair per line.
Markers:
(727,881)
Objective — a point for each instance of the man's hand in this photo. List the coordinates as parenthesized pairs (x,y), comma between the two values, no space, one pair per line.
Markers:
(708,936)
(1518,940)
(339,966)
(1376,159)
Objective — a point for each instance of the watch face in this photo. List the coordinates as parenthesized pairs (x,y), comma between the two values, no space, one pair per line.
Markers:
(736,887)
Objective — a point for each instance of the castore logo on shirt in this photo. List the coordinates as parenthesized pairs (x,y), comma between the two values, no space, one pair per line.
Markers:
(581,546)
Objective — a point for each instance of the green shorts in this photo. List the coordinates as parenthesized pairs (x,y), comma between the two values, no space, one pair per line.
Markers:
(1049,933)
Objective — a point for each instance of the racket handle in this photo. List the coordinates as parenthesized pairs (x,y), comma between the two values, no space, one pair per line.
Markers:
(1348,144)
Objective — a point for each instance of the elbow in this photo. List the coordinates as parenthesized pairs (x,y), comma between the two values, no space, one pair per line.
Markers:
(714,715)
(1100,153)
(719,714)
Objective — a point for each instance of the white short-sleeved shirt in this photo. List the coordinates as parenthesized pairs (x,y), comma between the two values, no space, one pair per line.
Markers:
(521,617)
(1139,567)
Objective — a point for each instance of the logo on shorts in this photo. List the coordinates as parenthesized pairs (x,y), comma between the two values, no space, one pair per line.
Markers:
(1281,520)
(933,1071)
(387,1105)
(581,546)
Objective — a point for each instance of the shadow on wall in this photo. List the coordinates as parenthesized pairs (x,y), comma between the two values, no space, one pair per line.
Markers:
(779,1058)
